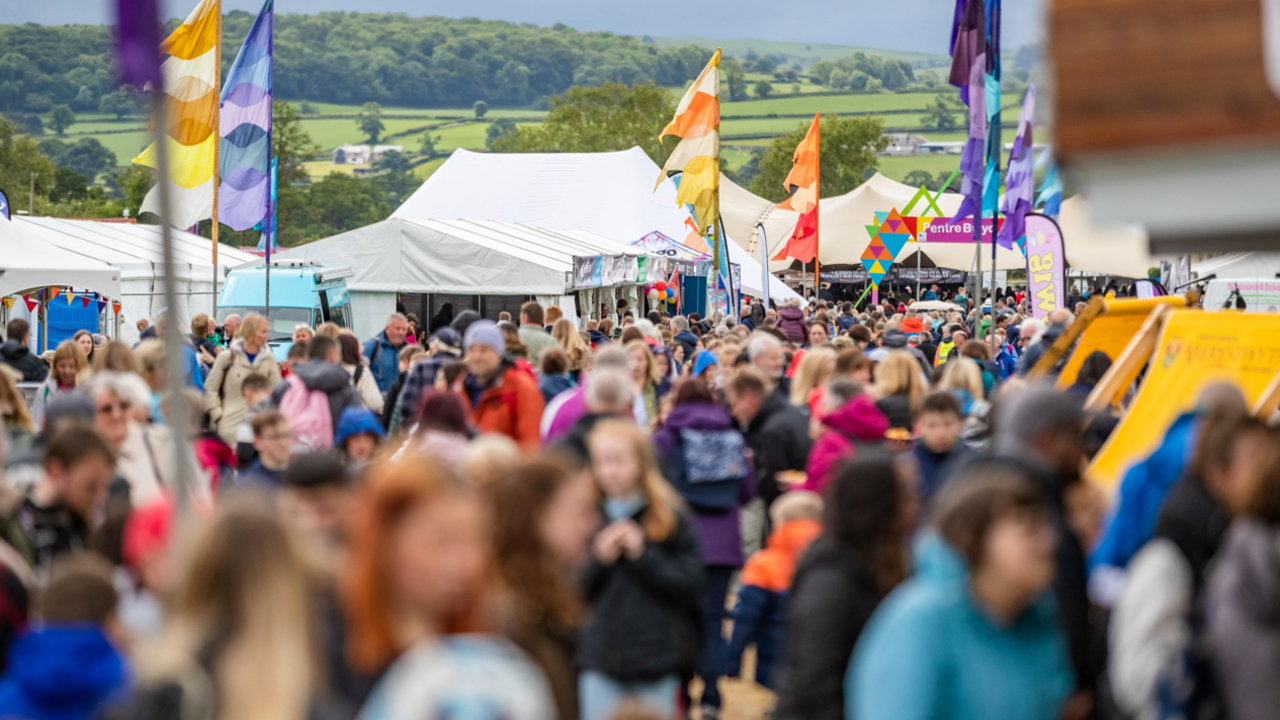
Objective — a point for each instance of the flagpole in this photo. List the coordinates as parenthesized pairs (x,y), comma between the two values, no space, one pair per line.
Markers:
(817,211)
(271,139)
(217,124)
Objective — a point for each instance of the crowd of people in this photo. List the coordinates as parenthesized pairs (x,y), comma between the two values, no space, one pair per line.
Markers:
(874,514)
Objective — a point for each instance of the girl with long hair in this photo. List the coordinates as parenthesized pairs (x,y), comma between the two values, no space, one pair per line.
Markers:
(860,556)
(544,519)
(69,367)
(643,585)
(901,387)
(361,377)
(417,596)
(813,372)
(84,339)
(239,639)
(577,349)
(115,356)
(649,386)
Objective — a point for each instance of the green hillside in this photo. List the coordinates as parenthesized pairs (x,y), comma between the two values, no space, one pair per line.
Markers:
(804,54)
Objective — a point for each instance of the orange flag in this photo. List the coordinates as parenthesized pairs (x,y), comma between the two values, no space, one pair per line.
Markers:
(802,183)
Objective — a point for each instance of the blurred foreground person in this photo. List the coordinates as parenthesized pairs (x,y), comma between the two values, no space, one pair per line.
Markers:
(974,635)
(1158,664)
(68,665)
(1243,600)
(238,641)
(417,596)
(545,519)
(499,398)
(860,556)
(644,583)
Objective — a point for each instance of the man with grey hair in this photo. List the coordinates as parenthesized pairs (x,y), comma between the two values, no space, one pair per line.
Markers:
(564,410)
(1041,432)
(682,335)
(765,353)
(383,352)
(1059,320)
(609,394)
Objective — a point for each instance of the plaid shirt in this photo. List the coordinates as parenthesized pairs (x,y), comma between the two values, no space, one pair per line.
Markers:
(422,376)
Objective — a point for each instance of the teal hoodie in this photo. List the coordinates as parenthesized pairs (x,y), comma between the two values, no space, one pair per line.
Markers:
(930,653)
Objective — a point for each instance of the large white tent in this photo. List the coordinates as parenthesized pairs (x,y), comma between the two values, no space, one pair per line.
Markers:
(27,263)
(1239,266)
(400,255)
(136,252)
(609,194)
(1111,249)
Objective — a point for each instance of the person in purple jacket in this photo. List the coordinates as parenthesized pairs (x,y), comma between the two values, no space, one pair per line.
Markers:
(705,458)
(567,408)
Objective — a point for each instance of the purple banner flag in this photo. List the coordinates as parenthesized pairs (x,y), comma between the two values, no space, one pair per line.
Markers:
(245,159)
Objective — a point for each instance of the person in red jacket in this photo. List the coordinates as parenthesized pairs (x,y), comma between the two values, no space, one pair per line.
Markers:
(850,417)
(498,397)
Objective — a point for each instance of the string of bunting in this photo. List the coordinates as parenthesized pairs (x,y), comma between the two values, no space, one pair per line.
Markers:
(33,302)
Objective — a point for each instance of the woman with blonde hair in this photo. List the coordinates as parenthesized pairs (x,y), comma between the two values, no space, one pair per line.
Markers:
(575,347)
(115,356)
(649,385)
(329,330)
(13,411)
(239,637)
(643,585)
(901,387)
(223,390)
(814,371)
(962,377)
(69,367)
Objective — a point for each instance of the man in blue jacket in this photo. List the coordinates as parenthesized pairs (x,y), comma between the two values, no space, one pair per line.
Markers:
(680,325)
(383,352)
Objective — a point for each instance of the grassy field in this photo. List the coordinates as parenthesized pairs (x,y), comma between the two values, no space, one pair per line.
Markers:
(839,104)
(806,54)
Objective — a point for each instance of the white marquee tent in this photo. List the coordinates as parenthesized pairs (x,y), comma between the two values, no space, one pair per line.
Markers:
(1239,266)
(135,252)
(400,255)
(27,263)
(609,194)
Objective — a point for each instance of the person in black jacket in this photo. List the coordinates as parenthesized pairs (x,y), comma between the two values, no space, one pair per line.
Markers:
(15,353)
(776,431)
(859,557)
(687,340)
(643,586)
(1041,431)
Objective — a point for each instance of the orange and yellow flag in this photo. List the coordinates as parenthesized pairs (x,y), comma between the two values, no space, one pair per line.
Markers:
(802,183)
(697,157)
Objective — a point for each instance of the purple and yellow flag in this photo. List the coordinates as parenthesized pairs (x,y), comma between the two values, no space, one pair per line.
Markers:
(190,74)
(244,198)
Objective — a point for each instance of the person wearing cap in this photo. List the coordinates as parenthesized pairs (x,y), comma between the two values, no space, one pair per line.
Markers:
(443,348)
(498,397)
(704,361)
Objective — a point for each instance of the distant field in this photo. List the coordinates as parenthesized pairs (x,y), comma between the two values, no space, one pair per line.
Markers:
(839,104)
(323,109)
(806,54)
(126,146)
(424,170)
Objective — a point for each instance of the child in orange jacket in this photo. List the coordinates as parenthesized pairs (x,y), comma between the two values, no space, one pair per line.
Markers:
(760,614)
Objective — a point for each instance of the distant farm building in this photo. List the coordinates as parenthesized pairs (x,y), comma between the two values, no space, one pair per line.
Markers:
(362,154)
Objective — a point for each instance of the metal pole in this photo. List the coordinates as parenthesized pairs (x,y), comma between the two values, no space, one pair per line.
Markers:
(917,272)
(31,204)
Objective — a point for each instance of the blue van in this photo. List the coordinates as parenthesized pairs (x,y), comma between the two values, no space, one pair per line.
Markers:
(302,293)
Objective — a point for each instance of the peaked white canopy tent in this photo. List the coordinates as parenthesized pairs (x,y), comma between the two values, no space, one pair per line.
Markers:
(608,194)
(1111,249)
(135,252)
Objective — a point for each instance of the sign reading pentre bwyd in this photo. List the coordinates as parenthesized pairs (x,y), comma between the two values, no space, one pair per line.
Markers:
(1046,265)
(943,230)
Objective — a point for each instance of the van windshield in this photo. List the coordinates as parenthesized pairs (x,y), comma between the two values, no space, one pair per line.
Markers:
(283,320)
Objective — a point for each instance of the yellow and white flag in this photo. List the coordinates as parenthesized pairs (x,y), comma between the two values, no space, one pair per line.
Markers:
(697,157)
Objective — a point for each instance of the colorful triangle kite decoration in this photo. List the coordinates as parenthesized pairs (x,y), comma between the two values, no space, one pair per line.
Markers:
(84,300)
(8,302)
(54,292)
(31,304)
(71,297)
(115,307)
(102,305)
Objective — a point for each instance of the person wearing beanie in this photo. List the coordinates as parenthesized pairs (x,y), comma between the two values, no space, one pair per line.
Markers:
(358,435)
(497,396)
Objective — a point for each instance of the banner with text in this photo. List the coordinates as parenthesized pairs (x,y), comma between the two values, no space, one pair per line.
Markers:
(942,230)
(1046,266)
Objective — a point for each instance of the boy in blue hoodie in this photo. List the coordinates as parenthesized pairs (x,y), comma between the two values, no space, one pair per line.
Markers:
(67,667)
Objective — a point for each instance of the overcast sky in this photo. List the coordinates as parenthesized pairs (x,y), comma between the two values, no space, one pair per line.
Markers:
(895,24)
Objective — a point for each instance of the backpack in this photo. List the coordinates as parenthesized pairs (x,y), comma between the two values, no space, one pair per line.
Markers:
(309,418)
(707,468)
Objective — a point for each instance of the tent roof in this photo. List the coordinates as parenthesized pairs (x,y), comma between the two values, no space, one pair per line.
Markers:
(399,255)
(610,195)
(1239,266)
(1120,250)
(125,244)
(28,262)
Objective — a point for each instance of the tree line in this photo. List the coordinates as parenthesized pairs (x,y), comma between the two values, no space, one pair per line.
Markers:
(350,58)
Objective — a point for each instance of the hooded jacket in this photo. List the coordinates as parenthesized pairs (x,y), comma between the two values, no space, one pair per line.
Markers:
(859,421)
(511,406)
(328,378)
(930,651)
(719,533)
(18,356)
(1244,620)
(61,673)
(791,323)
(779,440)
(690,343)
(760,615)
